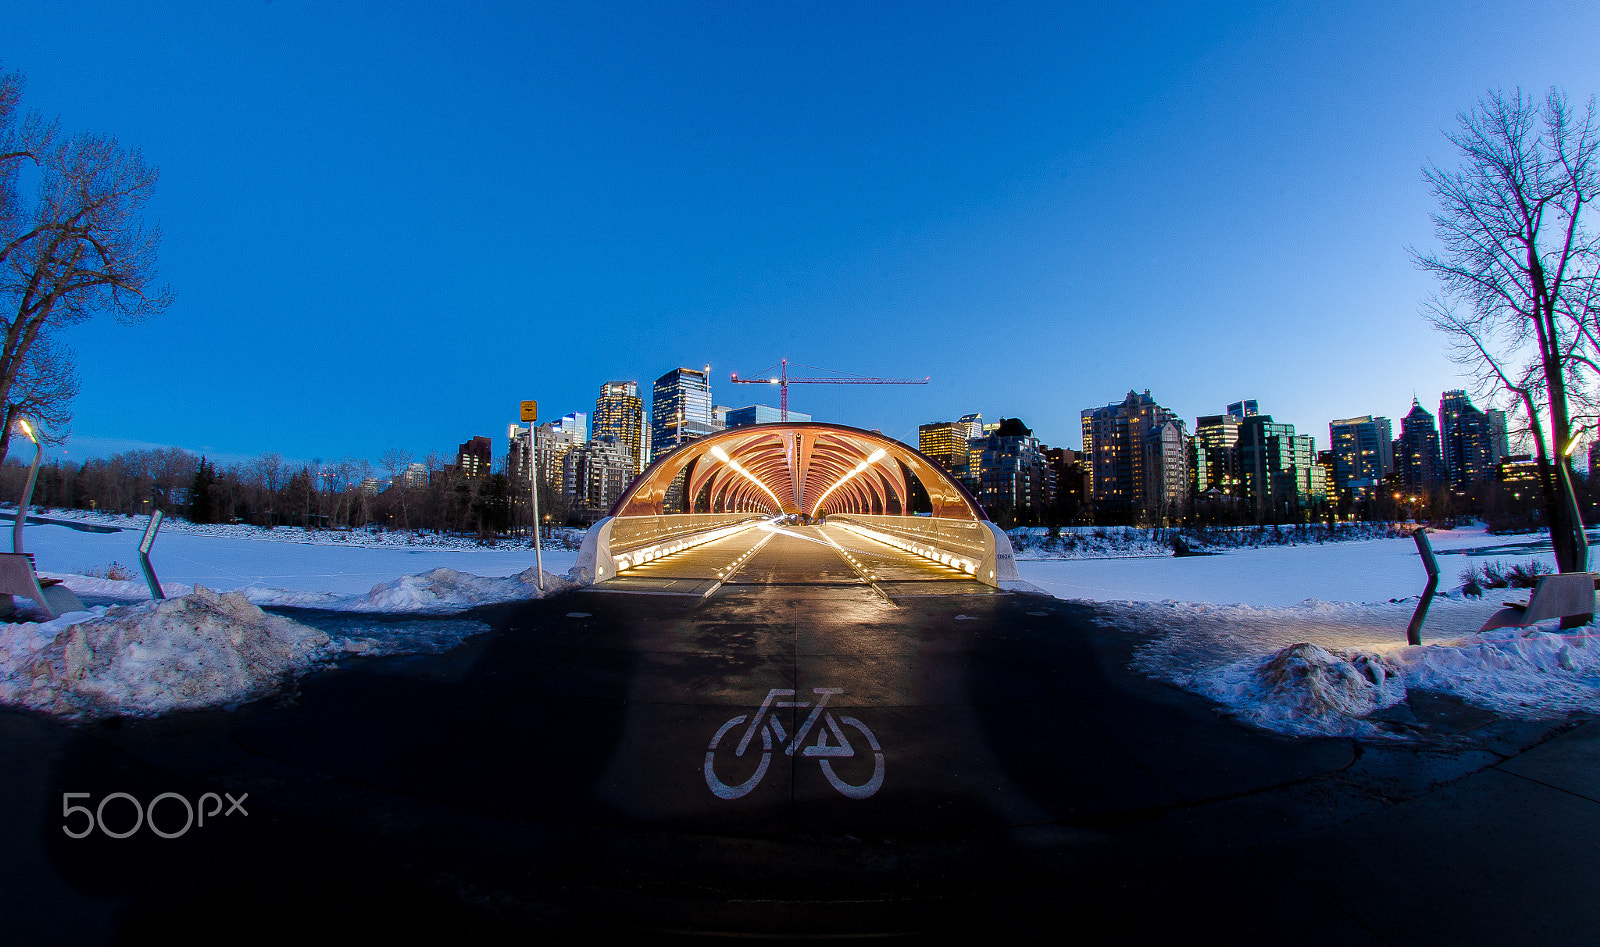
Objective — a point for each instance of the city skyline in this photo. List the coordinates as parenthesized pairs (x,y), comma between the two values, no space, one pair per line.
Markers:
(870,191)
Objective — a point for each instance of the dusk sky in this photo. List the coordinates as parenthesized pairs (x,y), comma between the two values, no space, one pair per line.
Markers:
(386,224)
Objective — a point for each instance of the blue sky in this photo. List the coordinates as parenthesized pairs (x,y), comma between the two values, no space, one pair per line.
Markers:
(387,224)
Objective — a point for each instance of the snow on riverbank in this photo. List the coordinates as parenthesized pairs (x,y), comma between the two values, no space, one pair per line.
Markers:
(200,650)
(1227,627)
(129,655)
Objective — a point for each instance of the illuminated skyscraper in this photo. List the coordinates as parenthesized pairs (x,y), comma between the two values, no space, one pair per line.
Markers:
(1215,454)
(619,413)
(1138,464)
(1420,464)
(1464,440)
(680,410)
(1363,454)
(947,443)
(1278,469)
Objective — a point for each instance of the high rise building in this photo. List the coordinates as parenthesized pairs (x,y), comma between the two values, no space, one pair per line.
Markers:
(760,414)
(680,410)
(1166,451)
(1013,474)
(1072,488)
(554,440)
(1243,409)
(1464,441)
(517,468)
(1363,454)
(473,458)
(1278,471)
(1421,466)
(595,474)
(1215,454)
(948,443)
(619,413)
(1131,473)
(1499,437)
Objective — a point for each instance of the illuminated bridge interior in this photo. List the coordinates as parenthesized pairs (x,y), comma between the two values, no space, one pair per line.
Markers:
(789,504)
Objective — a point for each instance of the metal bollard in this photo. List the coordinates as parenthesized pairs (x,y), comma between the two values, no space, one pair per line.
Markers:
(144,555)
(1425,550)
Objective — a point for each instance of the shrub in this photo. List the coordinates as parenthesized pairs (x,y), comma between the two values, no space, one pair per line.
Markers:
(116,572)
(1498,575)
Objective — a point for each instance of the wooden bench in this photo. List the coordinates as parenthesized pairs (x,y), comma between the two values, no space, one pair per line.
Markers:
(17,577)
(1568,596)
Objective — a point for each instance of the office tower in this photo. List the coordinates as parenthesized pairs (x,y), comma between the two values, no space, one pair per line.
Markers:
(619,413)
(1363,454)
(1420,464)
(1464,441)
(473,458)
(1243,409)
(760,414)
(680,410)
(1133,474)
(1012,473)
(1278,471)
(1215,453)
(719,416)
(947,443)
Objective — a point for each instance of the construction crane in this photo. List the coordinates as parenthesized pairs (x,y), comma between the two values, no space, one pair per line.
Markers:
(783,381)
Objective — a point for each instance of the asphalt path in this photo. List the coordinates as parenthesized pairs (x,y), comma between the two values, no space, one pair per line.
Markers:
(922,760)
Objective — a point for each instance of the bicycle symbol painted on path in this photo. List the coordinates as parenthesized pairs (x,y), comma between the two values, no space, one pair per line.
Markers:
(831,745)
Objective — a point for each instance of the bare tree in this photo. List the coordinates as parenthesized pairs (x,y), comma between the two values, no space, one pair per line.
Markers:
(398,463)
(1517,272)
(80,247)
(45,387)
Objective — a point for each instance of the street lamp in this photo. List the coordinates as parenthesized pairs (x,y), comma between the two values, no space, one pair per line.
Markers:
(27,491)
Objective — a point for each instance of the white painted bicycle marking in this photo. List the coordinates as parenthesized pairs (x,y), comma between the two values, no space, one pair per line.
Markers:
(832,743)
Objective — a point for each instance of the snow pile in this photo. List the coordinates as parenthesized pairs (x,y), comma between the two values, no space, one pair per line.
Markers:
(439,591)
(1307,689)
(200,650)
(1520,673)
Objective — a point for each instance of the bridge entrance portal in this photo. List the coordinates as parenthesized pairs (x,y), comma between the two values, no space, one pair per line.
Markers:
(795,503)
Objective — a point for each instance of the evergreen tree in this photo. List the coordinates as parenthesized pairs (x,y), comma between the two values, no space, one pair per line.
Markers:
(202,505)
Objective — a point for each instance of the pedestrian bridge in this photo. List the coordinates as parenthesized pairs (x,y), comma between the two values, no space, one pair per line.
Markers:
(801,503)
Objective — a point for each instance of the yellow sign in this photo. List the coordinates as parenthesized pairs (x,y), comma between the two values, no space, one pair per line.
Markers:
(530,411)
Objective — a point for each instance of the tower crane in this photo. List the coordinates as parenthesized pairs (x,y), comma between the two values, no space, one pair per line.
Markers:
(783,381)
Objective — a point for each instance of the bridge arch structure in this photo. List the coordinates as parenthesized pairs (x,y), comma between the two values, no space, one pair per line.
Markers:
(803,472)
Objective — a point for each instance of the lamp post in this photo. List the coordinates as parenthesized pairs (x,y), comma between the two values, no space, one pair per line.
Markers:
(27,491)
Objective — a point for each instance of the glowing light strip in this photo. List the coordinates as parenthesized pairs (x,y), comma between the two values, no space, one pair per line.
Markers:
(876,456)
(722,455)
(926,552)
(638,557)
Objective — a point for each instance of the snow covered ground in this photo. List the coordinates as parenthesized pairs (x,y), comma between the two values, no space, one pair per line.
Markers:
(126,654)
(1226,626)
(1302,639)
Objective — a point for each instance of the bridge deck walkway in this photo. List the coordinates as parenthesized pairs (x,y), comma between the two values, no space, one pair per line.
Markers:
(784,555)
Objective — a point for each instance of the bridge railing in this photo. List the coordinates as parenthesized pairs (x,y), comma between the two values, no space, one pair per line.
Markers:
(977,547)
(621,542)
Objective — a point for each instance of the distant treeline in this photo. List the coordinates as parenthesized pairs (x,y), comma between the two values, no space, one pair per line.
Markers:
(266,491)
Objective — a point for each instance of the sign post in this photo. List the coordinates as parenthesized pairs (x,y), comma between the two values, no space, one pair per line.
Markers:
(530,413)
(148,541)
